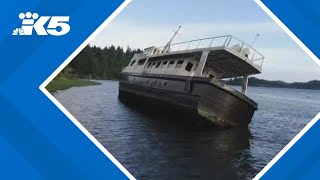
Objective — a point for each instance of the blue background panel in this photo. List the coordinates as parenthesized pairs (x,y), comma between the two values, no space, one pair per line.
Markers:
(302,161)
(37,140)
(301,17)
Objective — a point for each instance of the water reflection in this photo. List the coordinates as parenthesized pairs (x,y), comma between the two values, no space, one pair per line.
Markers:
(162,143)
(185,149)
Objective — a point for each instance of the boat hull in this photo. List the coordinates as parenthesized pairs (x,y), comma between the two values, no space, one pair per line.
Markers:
(212,100)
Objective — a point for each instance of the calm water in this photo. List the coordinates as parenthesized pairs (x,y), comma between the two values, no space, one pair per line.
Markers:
(161,145)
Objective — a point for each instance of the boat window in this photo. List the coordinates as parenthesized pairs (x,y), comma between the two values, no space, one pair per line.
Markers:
(149,64)
(189,66)
(154,64)
(164,64)
(132,62)
(171,63)
(158,64)
(141,61)
(179,64)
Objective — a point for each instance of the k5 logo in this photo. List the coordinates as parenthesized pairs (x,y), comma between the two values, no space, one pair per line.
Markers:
(57,26)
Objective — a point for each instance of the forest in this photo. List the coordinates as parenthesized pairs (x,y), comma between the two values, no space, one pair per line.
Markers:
(100,63)
(256,82)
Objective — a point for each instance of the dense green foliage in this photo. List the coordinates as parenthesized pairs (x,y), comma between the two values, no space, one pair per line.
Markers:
(95,62)
(315,84)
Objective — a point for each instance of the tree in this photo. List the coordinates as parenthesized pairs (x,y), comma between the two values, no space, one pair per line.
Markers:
(100,63)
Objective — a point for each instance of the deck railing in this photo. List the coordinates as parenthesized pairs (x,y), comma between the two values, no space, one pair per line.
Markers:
(219,41)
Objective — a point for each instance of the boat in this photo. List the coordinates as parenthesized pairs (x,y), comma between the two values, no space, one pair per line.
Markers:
(189,75)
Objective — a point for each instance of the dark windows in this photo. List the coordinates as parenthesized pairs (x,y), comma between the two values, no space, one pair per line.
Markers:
(132,62)
(158,64)
(141,61)
(154,64)
(171,63)
(164,64)
(189,66)
(179,64)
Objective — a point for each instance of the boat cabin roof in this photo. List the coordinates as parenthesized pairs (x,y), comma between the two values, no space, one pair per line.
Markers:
(228,56)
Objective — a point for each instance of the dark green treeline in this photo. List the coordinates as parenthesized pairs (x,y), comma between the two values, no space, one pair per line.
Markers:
(100,63)
(315,84)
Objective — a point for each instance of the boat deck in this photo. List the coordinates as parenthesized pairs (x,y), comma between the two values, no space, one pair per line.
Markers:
(227,54)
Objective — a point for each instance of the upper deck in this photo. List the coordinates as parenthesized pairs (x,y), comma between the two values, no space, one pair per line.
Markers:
(226,57)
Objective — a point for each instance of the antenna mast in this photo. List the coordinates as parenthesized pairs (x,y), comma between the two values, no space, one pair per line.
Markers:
(167,46)
(255,38)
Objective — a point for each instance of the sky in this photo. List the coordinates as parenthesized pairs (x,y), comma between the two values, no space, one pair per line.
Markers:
(145,23)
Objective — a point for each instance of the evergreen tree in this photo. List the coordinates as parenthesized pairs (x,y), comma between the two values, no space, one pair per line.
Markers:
(106,63)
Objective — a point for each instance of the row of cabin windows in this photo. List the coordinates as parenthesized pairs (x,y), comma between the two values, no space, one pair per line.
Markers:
(170,64)
(140,62)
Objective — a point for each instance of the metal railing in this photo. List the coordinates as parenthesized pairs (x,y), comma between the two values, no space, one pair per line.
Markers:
(219,41)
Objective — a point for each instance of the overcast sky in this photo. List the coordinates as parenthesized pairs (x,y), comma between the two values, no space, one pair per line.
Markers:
(145,23)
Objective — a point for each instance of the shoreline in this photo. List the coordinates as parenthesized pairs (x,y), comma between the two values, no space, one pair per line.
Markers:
(63,84)
(66,83)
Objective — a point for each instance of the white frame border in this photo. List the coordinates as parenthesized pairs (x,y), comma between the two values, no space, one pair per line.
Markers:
(315,119)
(65,111)
(287,30)
(105,151)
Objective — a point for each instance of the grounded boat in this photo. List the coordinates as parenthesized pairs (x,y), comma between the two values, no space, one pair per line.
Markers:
(188,75)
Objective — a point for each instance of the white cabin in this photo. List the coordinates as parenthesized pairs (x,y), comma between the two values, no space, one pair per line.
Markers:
(218,59)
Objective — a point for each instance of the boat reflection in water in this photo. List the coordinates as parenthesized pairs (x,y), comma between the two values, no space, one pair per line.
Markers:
(181,146)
